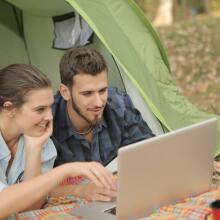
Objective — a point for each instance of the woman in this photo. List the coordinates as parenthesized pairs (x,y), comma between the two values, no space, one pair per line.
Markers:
(25,148)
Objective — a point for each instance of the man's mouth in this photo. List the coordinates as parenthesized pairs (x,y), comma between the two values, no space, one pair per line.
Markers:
(96,111)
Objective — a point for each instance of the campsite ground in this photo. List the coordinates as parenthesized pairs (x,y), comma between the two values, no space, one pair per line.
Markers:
(193,50)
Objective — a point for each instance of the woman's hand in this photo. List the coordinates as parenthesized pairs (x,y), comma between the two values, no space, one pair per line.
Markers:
(94,171)
(37,142)
(92,192)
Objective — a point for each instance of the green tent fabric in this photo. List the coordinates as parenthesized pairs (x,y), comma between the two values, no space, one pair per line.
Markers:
(128,35)
(129,38)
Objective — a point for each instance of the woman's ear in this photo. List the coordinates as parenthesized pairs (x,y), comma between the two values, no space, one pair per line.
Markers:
(65,92)
(9,108)
(7,105)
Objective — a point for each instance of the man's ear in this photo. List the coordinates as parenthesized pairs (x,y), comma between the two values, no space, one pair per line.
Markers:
(65,92)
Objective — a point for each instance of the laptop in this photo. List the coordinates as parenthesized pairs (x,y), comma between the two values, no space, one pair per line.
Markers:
(159,171)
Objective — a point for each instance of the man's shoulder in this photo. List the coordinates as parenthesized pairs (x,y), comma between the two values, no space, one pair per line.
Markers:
(118,99)
(57,97)
(58,101)
(118,103)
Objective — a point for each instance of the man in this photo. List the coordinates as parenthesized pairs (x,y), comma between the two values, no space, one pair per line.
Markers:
(91,119)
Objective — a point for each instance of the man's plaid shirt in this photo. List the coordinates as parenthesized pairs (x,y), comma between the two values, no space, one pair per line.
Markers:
(122,124)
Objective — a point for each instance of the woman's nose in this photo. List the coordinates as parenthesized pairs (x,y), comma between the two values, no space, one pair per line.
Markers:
(49,115)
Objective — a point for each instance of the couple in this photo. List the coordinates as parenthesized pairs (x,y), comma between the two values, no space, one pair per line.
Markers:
(91,121)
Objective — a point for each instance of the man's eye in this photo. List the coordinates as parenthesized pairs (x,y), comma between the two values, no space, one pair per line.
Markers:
(103,90)
(40,110)
(87,93)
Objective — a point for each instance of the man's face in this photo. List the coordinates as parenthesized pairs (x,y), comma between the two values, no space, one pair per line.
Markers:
(89,96)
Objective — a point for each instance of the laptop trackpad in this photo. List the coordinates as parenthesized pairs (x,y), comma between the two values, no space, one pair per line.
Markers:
(95,210)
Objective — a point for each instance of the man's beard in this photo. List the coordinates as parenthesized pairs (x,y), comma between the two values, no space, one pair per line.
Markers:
(78,111)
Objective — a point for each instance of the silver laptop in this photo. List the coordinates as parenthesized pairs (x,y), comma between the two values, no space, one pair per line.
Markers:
(159,171)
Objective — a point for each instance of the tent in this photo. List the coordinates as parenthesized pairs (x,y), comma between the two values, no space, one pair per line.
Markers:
(136,58)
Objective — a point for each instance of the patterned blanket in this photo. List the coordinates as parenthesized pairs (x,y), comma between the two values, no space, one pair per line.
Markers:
(194,208)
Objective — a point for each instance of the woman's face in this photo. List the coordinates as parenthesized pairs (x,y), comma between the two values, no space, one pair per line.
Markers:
(33,116)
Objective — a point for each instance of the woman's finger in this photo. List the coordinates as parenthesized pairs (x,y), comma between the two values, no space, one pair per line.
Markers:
(106,177)
(101,177)
(90,175)
(101,198)
(106,192)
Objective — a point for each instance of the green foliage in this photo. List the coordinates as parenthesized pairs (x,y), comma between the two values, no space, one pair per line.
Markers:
(215,5)
(198,4)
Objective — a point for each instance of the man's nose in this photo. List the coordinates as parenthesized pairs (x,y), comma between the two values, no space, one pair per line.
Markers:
(98,100)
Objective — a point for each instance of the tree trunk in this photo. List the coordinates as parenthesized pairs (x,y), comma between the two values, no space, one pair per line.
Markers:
(206,4)
(164,16)
(186,8)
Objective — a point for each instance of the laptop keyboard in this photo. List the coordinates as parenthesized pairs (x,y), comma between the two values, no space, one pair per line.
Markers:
(111,211)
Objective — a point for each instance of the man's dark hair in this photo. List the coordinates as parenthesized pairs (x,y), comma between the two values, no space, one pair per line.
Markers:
(80,60)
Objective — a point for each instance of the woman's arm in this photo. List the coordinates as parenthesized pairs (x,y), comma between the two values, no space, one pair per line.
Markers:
(33,148)
(18,197)
(33,169)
